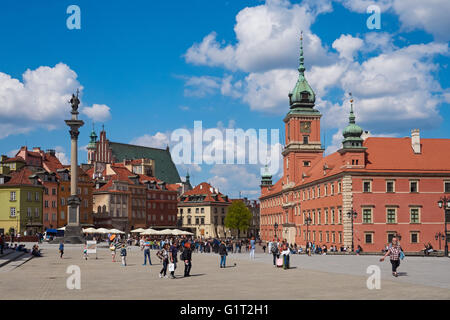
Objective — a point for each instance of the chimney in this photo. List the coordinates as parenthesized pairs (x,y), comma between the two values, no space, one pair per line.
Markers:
(51,152)
(36,149)
(415,140)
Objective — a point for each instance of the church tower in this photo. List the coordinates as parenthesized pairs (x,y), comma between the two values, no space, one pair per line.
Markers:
(92,146)
(303,147)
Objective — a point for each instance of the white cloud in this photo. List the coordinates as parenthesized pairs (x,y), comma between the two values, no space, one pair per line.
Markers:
(158,140)
(260,33)
(61,155)
(40,100)
(362,5)
(98,112)
(230,179)
(347,46)
(430,15)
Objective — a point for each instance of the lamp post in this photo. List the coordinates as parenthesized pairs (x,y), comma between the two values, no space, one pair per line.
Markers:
(444,203)
(352,215)
(307,222)
(439,236)
(275,227)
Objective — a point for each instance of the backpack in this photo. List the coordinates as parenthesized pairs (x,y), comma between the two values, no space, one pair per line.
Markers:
(274,249)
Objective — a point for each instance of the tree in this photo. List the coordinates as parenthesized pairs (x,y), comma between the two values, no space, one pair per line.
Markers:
(238,217)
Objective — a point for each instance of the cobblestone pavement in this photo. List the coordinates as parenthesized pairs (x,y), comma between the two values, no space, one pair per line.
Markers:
(317,277)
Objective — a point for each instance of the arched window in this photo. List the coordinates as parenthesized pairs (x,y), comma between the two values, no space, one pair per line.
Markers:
(104,208)
(99,209)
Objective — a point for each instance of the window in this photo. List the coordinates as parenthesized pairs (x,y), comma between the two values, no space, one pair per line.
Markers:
(326,216)
(328,236)
(63,201)
(54,216)
(320,236)
(305,139)
(319,217)
(447,186)
(390,235)
(28,212)
(189,220)
(340,216)
(223,210)
(340,237)
(197,220)
(45,191)
(390,186)
(53,204)
(414,215)
(333,236)
(29,196)
(62,215)
(53,192)
(367,215)
(414,237)
(332,217)
(202,220)
(367,186)
(202,210)
(414,186)
(36,212)
(46,204)
(306,163)
(368,238)
(12,196)
(391,216)
(12,212)
(46,217)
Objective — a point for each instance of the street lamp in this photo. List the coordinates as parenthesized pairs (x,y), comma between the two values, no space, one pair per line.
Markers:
(439,236)
(275,227)
(444,203)
(352,215)
(308,221)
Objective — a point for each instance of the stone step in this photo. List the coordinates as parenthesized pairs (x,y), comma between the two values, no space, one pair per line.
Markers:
(11,257)
(25,257)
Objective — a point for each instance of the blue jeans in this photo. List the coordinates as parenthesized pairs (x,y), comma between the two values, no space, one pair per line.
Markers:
(223,260)
(147,254)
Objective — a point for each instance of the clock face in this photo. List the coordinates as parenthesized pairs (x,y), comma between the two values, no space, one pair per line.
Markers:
(305,127)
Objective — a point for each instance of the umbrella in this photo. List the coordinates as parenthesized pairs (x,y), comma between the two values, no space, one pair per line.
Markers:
(177,232)
(139,230)
(150,231)
(165,231)
(187,233)
(115,231)
(90,230)
(102,230)
(63,228)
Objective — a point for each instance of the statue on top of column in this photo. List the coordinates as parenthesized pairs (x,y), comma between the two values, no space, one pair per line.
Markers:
(75,102)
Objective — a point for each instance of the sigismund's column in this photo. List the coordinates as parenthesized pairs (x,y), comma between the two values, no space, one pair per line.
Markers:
(73,226)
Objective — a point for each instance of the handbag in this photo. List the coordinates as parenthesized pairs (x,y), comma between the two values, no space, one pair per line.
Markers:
(402,255)
(171,267)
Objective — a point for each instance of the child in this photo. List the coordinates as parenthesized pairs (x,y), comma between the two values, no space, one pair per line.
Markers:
(85,253)
(61,249)
(123,254)
(112,247)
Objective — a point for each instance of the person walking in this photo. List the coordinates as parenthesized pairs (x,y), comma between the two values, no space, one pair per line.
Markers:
(112,248)
(275,253)
(223,254)
(264,248)
(285,253)
(252,248)
(147,245)
(2,243)
(61,249)
(123,254)
(164,256)
(394,252)
(173,251)
(186,256)
(85,253)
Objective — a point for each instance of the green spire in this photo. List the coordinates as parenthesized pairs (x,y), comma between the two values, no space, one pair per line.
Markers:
(301,68)
(302,97)
(352,133)
(93,140)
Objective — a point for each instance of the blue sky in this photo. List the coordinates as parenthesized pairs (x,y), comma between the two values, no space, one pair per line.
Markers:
(147,68)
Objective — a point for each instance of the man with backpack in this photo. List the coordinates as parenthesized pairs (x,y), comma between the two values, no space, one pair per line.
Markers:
(275,252)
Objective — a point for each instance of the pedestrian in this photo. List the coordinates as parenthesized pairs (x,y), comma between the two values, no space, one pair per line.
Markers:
(285,253)
(173,251)
(264,248)
(223,254)
(123,255)
(395,253)
(275,253)
(147,245)
(186,256)
(252,248)
(163,254)
(112,248)
(85,253)
(2,243)
(61,249)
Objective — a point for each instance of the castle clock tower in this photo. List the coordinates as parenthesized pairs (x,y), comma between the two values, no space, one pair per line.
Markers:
(303,147)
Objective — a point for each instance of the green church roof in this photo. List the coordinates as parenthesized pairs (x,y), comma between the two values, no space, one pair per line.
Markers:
(165,169)
(352,133)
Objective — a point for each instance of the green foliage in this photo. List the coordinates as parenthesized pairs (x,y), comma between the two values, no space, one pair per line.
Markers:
(238,216)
